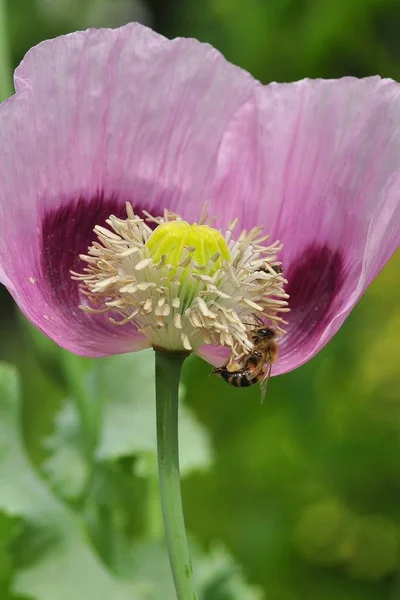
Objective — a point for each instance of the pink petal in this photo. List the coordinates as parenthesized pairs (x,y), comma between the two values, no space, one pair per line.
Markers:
(216,355)
(318,164)
(101,117)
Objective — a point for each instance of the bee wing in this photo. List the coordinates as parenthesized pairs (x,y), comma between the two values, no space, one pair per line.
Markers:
(264,381)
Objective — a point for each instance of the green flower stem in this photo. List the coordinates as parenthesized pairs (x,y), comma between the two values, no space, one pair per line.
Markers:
(168,370)
(6,88)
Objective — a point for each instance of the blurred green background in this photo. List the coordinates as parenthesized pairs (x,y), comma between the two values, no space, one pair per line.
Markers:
(304,491)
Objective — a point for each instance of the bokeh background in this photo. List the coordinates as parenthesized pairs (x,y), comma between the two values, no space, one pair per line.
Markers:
(302,493)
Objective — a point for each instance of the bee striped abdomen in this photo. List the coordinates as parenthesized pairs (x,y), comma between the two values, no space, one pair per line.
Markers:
(239,379)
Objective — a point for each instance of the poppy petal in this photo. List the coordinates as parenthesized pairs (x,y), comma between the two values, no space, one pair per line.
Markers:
(317,163)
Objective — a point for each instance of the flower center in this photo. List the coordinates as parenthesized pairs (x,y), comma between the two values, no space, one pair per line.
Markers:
(206,245)
(184,285)
(189,249)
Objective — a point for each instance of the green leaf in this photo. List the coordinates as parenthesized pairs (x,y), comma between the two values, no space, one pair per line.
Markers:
(66,467)
(222,578)
(9,530)
(66,566)
(217,576)
(125,385)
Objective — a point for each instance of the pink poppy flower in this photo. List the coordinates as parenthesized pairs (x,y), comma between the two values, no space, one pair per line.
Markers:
(105,117)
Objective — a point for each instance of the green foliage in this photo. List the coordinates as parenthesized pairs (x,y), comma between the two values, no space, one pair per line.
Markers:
(376,551)
(60,564)
(129,414)
(66,466)
(285,40)
(128,425)
(217,575)
(51,550)
(324,533)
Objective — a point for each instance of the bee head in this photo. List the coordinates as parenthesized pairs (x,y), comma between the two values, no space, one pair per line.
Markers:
(263,333)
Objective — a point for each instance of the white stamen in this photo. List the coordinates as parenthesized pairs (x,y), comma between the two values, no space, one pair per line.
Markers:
(185,341)
(143,264)
(185,262)
(148,305)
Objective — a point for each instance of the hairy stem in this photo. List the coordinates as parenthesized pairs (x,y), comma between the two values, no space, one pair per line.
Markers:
(168,370)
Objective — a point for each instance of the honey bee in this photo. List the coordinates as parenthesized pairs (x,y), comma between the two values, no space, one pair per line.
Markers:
(256,367)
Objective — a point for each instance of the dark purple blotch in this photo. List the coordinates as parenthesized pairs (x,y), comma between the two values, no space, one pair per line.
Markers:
(314,282)
(67,232)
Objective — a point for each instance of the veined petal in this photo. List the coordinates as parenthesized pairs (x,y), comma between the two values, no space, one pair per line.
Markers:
(318,164)
(127,111)
(102,117)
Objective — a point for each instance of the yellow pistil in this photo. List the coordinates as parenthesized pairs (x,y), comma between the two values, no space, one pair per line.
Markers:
(178,239)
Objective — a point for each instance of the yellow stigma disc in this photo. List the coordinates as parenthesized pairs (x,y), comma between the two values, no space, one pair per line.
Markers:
(203,242)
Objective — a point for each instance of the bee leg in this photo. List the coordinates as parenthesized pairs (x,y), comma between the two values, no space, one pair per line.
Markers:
(215,371)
